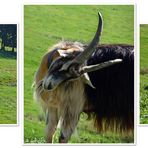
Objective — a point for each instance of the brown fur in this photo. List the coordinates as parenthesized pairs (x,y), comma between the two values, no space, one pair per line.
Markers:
(61,102)
(68,100)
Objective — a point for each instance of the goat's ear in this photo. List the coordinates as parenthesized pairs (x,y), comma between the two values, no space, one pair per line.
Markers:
(51,56)
(87,80)
(62,53)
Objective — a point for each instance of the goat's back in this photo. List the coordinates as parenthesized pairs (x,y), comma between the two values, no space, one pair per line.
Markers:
(113,98)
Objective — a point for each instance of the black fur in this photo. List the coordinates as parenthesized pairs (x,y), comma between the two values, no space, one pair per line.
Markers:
(113,98)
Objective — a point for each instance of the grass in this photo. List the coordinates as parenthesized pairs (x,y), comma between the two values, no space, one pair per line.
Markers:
(8,88)
(143,74)
(46,25)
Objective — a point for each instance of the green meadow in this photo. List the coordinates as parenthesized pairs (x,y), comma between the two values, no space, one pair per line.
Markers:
(144,74)
(45,26)
(8,87)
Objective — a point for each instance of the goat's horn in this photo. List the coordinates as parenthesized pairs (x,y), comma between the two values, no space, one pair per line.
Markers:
(95,67)
(90,49)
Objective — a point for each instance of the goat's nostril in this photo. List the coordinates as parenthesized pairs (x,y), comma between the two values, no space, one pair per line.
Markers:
(49,87)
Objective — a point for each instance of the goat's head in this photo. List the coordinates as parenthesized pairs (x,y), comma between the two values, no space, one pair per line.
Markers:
(70,64)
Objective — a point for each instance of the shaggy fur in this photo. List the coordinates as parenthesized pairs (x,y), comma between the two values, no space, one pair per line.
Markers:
(111,102)
(62,102)
(113,98)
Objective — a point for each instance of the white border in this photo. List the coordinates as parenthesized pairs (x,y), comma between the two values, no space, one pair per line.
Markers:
(136,90)
(135,73)
(17,90)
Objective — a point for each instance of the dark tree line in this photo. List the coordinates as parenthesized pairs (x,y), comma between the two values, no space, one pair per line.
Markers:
(8,35)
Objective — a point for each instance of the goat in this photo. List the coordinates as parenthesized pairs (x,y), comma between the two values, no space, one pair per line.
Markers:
(96,79)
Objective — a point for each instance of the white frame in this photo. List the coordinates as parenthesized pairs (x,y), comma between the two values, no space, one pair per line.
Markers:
(17,71)
(136,75)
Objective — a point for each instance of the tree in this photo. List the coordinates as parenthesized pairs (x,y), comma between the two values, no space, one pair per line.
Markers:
(8,35)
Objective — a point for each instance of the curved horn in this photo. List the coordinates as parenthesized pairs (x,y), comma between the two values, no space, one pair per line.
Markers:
(95,67)
(90,49)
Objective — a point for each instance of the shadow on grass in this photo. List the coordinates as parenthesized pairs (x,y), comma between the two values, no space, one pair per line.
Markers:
(8,54)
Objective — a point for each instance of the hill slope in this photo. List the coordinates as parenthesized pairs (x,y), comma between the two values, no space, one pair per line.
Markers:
(8,94)
(47,25)
(144,74)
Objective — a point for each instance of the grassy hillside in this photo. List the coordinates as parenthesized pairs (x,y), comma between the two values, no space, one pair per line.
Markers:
(47,25)
(144,74)
(8,88)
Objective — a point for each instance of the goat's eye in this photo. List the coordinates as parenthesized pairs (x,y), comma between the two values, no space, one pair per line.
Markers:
(57,64)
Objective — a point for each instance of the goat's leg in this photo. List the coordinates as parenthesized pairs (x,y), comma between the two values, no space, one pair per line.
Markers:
(51,123)
(69,123)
